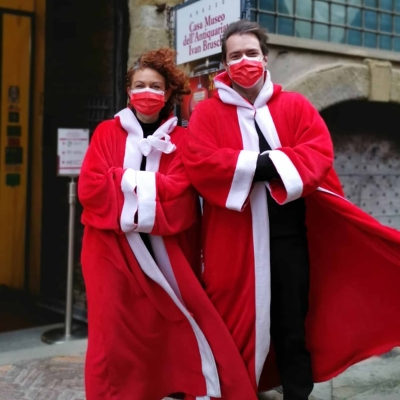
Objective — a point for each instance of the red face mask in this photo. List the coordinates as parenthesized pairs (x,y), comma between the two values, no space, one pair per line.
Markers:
(147,101)
(246,71)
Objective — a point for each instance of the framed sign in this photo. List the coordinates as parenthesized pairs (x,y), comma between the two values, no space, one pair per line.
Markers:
(71,149)
(199,27)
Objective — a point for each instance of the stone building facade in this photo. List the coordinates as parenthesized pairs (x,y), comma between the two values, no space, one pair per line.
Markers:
(336,78)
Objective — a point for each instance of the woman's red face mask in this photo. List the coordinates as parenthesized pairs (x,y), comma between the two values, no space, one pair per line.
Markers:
(147,101)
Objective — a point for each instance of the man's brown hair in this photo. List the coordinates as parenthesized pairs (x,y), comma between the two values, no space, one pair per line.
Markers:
(242,27)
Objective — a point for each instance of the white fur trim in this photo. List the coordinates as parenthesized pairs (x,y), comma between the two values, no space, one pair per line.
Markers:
(147,145)
(160,139)
(332,193)
(230,96)
(132,160)
(267,126)
(163,262)
(151,269)
(146,194)
(265,94)
(242,180)
(260,226)
(129,209)
(161,273)
(133,156)
(248,129)
(144,181)
(290,177)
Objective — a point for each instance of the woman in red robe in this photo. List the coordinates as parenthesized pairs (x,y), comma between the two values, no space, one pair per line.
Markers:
(141,218)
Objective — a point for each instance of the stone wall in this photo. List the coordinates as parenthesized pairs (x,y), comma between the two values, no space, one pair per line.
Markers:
(373,80)
(149,26)
(326,78)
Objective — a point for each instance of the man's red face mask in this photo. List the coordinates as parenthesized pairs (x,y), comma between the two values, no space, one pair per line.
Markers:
(246,71)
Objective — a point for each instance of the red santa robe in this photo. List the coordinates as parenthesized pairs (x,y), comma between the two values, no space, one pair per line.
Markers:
(144,342)
(354,260)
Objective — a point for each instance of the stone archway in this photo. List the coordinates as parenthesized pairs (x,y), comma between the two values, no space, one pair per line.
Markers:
(360,104)
(372,80)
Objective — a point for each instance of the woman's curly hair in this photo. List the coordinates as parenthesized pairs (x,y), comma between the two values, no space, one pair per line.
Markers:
(163,61)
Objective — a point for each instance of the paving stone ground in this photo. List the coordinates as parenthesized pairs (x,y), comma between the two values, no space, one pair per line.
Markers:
(61,378)
(57,378)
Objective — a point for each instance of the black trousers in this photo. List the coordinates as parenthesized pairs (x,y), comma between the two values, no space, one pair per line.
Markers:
(289,306)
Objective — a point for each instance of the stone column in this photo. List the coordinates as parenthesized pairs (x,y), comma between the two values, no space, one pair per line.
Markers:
(149,26)
(380,80)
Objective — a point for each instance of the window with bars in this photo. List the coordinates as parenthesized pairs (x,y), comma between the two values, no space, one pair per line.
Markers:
(368,23)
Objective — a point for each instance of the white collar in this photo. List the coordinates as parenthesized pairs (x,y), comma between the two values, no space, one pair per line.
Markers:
(231,96)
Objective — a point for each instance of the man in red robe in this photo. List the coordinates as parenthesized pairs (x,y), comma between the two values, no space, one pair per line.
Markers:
(288,261)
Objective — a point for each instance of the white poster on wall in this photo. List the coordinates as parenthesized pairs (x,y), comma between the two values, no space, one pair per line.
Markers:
(200,26)
(71,150)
